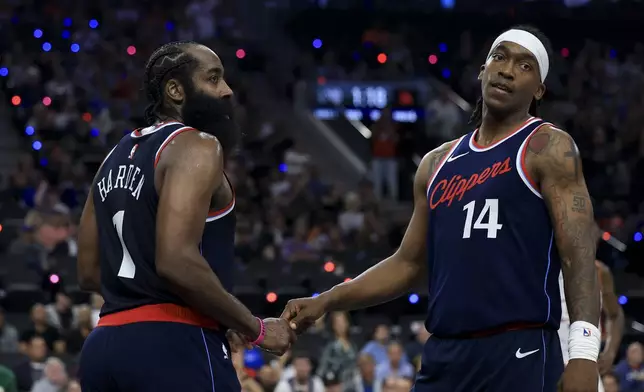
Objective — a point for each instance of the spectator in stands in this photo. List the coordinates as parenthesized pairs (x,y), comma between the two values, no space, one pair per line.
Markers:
(302,380)
(332,383)
(60,314)
(397,384)
(75,337)
(444,119)
(396,365)
(630,371)
(248,384)
(73,386)
(40,327)
(367,378)
(268,377)
(54,378)
(377,347)
(8,335)
(8,381)
(384,164)
(339,356)
(43,232)
(351,220)
(610,382)
(415,348)
(32,368)
(297,248)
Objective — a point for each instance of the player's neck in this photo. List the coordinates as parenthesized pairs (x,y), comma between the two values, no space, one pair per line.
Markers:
(494,127)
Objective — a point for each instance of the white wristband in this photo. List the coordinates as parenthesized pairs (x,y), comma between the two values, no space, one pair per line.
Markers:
(584,341)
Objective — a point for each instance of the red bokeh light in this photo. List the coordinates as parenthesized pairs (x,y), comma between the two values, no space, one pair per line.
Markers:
(433,59)
(15,100)
(382,58)
(329,266)
(271,297)
(606,236)
(131,50)
(46,101)
(240,53)
(347,279)
(87,117)
(565,52)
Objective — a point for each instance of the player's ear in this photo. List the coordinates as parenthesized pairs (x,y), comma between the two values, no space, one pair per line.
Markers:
(174,90)
(540,92)
(480,77)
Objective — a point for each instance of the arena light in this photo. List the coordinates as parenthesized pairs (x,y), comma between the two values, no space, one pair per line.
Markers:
(29,130)
(313,295)
(93,24)
(347,280)
(4,71)
(271,297)
(612,53)
(240,53)
(565,52)
(446,73)
(46,101)
(75,48)
(87,117)
(637,237)
(448,4)
(413,298)
(67,22)
(329,266)
(283,167)
(94,132)
(66,34)
(622,300)
(382,58)
(54,279)
(37,33)
(46,46)
(44,162)
(442,47)
(131,50)
(169,26)
(321,80)
(16,100)
(36,145)
(317,43)
(433,59)
(0,228)
(606,236)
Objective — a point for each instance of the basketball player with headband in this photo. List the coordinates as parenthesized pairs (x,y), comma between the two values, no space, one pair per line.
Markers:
(498,213)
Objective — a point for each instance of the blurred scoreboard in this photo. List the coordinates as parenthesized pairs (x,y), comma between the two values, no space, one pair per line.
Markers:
(364,101)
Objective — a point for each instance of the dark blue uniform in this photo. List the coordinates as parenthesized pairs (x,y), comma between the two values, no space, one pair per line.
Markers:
(147,339)
(494,305)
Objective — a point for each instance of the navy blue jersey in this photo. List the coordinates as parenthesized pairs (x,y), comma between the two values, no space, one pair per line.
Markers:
(491,258)
(125,201)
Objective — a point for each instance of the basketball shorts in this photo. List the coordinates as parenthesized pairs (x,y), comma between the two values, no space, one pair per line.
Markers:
(156,357)
(523,360)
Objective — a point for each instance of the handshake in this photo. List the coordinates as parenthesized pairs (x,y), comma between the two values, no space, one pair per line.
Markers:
(277,334)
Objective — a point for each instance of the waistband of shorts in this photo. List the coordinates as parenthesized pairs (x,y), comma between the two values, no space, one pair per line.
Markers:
(519,326)
(165,312)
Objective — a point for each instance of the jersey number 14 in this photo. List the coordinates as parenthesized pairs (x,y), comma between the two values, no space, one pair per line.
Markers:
(490,213)
(127,268)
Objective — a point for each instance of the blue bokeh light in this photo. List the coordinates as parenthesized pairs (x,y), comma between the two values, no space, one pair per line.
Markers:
(413,298)
(67,22)
(622,300)
(446,73)
(637,237)
(169,25)
(94,132)
(283,168)
(317,43)
(66,34)
(93,24)
(29,130)
(442,47)
(37,33)
(46,46)
(44,161)
(4,71)
(37,145)
(75,48)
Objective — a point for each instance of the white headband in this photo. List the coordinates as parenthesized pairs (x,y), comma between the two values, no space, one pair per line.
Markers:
(528,41)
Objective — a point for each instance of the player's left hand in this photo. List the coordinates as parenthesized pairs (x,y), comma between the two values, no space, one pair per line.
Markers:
(237,341)
(605,363)
(580,375)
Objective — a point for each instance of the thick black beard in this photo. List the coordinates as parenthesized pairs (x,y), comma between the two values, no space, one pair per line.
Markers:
(212,115)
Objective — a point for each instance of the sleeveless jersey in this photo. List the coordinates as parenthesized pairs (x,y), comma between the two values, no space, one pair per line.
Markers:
(492,262)
(126,201)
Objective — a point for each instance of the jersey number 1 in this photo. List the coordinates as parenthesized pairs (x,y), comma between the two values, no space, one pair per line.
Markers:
(491,209)
(127,269)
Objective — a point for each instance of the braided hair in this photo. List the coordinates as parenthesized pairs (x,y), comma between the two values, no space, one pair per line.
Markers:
(169,61)
(477,115)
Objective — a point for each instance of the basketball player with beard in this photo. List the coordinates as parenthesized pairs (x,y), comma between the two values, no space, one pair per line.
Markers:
(157,241)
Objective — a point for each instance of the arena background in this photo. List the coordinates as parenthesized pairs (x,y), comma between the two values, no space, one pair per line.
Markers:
(319,198)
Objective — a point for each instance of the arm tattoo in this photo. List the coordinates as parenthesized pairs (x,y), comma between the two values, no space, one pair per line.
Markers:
(555,158)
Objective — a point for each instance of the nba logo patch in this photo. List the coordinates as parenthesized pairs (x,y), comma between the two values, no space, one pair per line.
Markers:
(586,332)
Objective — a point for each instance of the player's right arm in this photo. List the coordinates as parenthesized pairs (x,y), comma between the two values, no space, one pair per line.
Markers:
(190,170)
(390,278)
